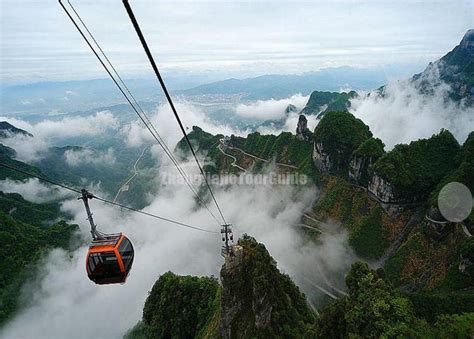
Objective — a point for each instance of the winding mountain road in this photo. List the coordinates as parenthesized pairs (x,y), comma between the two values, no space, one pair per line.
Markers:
(463,226)
(466,231)
(126,185)
(234,159)
(249,155)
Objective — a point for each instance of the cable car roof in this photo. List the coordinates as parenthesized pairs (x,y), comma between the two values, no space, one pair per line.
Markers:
(107,240)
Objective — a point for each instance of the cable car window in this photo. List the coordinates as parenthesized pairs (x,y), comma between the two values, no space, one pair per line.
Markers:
(90,265)
(110,263)
(104,264)
(126,251)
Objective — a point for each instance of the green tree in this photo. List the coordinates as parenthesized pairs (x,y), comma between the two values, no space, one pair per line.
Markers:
(373,308)
(341,134)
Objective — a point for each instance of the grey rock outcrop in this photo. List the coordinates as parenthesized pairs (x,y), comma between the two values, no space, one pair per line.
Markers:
(382,189)
(321,159)
(356,168)
(291,108)
(302,131)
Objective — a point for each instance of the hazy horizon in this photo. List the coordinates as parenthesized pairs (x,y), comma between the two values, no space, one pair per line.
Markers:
(218,40)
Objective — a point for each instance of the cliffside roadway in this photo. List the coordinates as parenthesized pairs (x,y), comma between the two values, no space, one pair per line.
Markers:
(127,183)
(463,226)
(234,159)
(250,155)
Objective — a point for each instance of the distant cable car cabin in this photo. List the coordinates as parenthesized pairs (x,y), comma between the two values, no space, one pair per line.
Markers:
(109,259)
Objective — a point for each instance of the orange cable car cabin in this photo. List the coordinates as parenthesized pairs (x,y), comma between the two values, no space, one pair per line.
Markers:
(109,259)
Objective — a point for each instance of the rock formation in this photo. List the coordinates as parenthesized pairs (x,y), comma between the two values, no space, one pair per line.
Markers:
(302,131)
(257,300)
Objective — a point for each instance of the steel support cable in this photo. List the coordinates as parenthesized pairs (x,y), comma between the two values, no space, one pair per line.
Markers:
(166,149)
(143,118)
(146,121)
(168,97)
(105,200)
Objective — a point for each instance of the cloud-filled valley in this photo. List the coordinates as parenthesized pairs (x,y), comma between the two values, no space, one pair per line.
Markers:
(61,294)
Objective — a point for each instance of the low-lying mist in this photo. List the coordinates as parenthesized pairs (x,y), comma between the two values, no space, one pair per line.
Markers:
(62,302)
(271,109)
(403,114)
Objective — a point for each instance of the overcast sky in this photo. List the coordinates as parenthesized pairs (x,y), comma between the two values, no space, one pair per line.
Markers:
(248,38)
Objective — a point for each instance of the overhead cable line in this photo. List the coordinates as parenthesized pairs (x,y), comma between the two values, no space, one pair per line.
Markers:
(143,117)
(105,200)
(168,97)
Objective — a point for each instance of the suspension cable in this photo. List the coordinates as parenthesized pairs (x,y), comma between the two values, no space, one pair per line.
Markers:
(105,200)
(143,117)
(168,97)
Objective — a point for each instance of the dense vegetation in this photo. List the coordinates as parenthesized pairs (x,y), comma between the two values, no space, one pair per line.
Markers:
(369,237)
(285,148)
(365,156)
(328,102)
(257,301)
(374,309)
(415,169)
(366,222)
(201,141)
(371,148)
(21,245)
(269,303)
(7,155)
(341,134)
(177,307)
(27,231)
(29,212)
(464,173)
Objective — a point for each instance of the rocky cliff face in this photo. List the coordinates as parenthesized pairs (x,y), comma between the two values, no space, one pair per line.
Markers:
(455,69)
(257,300)
(302,131)
(467,42)
(382,189)
(290,108)
(360,167)
(356,168)
(336,137)
(321,159)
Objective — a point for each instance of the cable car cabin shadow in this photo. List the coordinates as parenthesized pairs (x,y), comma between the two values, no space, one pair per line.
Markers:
(109,259)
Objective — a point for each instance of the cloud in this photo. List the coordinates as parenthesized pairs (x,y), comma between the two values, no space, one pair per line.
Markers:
(27,148)
(243,39)
(404,115)
(62,302)
(289,124)
(33,190)
(292,121)
(46,131)
(97,123)
(77,157)
(270,109)
(164,121)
